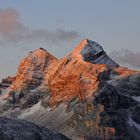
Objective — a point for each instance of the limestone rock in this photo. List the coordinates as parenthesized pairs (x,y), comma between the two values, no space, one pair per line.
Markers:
(81,95)
(30,73)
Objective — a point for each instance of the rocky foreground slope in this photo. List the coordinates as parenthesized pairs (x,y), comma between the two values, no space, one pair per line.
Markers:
(85,95)
(11,129)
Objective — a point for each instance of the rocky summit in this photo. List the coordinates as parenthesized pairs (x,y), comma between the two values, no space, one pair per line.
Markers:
(94,53)
(85,95)
(30,73)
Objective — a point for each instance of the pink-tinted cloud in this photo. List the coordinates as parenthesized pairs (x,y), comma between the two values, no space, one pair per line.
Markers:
(126,56)
(13,31)
(9,21)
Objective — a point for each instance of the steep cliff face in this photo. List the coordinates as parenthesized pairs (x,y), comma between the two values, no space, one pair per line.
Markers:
(30,73)
(92,52)
(77,74)
(79,89)
(71,78)
(24,91)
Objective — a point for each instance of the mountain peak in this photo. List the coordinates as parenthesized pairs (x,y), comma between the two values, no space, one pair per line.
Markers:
(87,42)
(82,89)
(92,52)
(31,69)
(40,52)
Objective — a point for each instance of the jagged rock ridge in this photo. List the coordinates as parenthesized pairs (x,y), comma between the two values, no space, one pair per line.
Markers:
(67,88)
(30,73)
(94,53)
(121,101)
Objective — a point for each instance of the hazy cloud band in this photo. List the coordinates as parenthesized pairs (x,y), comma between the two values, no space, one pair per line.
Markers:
(126,56)
(13,31)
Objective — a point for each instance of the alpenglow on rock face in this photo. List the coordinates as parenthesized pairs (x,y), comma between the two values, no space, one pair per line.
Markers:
(30,73)
(81,89)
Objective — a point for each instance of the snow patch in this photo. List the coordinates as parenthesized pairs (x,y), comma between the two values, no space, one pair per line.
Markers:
(132,123)
(31,110)
(136,98)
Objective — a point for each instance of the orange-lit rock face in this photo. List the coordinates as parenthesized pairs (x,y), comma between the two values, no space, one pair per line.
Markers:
(31,69)
(73,80)
(66,78)
(72,77)
(123,71)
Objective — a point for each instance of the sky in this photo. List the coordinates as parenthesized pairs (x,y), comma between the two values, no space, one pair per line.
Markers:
(58,26)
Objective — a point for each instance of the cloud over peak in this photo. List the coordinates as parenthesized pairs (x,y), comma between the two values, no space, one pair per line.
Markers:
(9,21)
(13,31)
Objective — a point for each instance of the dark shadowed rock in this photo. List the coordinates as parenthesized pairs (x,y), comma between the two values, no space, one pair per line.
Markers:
(11,129)
(6,82)
(94,53)
(121,100)
(62,95)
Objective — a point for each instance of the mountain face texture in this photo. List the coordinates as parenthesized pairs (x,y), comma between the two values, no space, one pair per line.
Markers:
(11,129)
(6,83)
(121,101)
(30,73)
(85,95)
(94,53)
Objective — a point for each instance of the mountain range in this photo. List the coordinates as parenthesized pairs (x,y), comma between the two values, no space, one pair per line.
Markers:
(85,95)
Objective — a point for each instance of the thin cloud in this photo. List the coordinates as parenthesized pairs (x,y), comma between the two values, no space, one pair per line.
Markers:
(128,57)
(13,31)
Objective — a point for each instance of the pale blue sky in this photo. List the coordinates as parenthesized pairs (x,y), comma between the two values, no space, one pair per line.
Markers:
(115,24)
